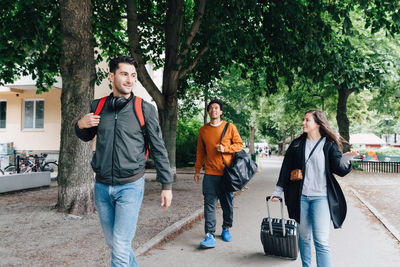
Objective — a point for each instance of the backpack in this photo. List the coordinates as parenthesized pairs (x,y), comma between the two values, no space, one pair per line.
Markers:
(138,110)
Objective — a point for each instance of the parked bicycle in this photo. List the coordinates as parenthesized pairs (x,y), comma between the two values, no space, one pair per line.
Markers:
(33,164)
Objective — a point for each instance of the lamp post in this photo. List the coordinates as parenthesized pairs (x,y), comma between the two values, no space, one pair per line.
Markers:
(322,100)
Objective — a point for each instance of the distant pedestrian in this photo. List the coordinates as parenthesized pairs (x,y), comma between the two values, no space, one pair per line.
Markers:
(120,159)
(209,154)
(312,194)
(269,152)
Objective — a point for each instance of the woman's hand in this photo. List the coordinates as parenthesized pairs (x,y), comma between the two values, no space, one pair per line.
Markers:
(353,153)
(274,199)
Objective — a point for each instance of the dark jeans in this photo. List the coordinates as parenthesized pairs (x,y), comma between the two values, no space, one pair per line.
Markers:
(212,191)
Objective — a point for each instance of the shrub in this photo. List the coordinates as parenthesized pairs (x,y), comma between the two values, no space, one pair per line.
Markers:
(385,151)
(186,142)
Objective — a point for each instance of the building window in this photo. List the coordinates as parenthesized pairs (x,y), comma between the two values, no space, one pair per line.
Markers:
(33,114)
(3,113)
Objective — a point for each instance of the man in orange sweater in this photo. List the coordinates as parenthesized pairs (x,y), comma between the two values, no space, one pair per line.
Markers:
(209,154)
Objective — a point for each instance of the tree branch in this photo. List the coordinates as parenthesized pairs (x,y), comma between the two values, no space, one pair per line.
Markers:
(351,90)
(335,83)
(155,25)
(194,62)
(120,42)
(158,26)
(143,75)
(193,30)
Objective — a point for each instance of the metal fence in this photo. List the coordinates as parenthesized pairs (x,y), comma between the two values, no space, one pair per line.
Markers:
(377,166)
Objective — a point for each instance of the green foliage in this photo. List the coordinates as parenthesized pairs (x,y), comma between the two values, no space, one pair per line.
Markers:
(186,142)
(348,57)
(298,48)
(235,89)
(30,41)
(281,114)
(374,112)
(190,103)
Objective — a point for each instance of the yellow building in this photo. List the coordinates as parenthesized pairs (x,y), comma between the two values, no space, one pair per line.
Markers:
(32,122)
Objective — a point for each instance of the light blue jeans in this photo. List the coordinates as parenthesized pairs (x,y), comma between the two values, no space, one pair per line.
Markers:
(314,217)
(118,208)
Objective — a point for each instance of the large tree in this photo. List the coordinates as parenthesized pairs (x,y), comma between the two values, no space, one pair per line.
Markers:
(356,59)
(77,65)
(176,36)
(45,39)
(276,39)
(321,43)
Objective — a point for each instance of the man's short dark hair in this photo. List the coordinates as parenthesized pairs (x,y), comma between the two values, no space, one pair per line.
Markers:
(121,59)
(216,101)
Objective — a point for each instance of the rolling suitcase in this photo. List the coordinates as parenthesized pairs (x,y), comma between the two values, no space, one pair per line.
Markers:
(279,236)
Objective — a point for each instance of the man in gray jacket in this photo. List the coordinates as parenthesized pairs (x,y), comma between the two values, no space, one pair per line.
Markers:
(120,157)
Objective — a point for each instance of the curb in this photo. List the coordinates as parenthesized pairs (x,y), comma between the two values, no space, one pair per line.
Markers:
(379,216)
(170,232)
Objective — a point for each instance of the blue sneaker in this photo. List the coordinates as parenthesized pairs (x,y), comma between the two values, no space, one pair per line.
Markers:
(226,236)
(209,241)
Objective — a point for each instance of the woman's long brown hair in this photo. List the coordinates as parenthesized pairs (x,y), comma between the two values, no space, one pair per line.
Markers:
(325,129)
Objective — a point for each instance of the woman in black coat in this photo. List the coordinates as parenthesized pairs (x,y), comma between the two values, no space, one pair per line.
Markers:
(312,195)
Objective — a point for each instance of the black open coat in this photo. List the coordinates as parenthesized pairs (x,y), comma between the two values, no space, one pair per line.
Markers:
(295,159)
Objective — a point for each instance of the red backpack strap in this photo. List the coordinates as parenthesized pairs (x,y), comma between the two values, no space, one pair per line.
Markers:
(139,115)
(139,110)
(100,105)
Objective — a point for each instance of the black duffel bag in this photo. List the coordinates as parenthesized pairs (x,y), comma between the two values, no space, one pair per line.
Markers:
(240,172)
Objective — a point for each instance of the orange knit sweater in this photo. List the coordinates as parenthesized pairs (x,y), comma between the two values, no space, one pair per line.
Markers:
(207,154)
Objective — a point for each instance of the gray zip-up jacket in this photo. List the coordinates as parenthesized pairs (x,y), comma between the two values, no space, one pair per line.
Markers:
(120,155)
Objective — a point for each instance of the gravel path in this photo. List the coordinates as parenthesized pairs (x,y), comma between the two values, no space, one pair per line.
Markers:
(381,190)
(34,234)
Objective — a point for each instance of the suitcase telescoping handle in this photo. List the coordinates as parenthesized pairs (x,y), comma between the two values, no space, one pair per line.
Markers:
(270,219)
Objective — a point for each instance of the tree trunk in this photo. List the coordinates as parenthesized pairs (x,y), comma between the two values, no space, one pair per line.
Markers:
(169,112)
(252,131)
(205,114)
(291,133)
(167,101)
(75,176)
(283,149)
(168,123)
(341,116)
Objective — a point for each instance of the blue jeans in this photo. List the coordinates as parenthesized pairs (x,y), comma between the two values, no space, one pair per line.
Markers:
(118,208)
(314,217)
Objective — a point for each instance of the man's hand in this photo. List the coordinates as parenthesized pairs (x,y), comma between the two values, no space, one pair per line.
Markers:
(166,198)
(88,121)
(197,178)
(220,148)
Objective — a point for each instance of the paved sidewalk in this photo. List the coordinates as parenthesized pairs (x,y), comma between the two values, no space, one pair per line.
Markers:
(363,240)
